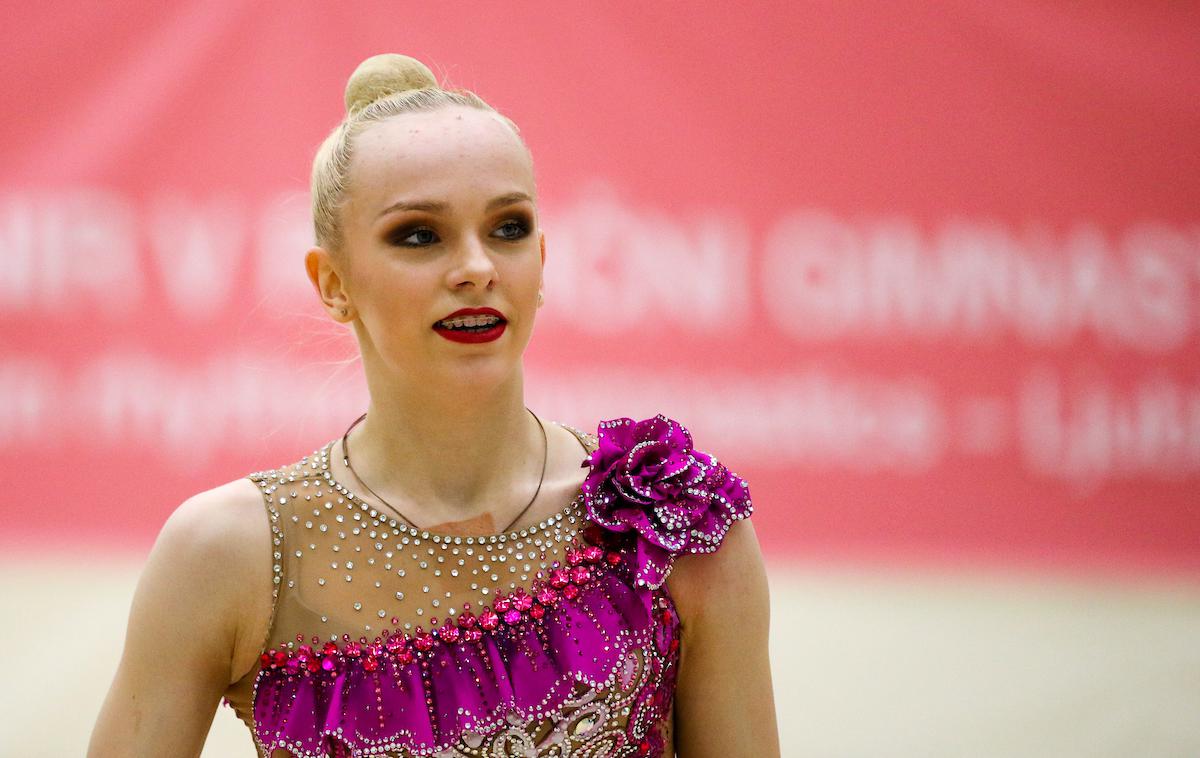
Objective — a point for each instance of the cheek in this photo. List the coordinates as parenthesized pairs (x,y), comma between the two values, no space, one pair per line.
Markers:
(526,274)
(397,296)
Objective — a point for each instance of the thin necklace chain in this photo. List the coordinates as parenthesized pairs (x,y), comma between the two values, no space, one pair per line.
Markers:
(357,478)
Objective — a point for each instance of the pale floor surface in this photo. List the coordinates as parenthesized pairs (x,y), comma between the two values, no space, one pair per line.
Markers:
(866,663)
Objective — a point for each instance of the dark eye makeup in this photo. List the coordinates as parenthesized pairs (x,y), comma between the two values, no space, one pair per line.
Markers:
(518,227)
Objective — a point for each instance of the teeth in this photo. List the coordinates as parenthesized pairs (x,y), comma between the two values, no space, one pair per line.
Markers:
(470,321)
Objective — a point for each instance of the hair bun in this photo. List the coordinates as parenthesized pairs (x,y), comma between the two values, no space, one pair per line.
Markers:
(383,75)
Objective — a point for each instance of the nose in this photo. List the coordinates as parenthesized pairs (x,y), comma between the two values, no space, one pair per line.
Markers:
(474,265)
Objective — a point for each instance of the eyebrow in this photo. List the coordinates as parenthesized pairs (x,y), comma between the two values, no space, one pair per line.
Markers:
(434,206)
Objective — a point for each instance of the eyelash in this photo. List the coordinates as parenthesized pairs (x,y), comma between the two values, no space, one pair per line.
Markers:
(403,234)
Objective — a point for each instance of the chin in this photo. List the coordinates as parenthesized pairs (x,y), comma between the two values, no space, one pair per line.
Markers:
(481,366)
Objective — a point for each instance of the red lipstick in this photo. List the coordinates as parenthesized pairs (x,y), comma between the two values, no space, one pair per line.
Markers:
(472,334)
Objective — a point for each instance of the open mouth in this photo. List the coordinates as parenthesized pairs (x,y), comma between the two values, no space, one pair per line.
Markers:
(470,324)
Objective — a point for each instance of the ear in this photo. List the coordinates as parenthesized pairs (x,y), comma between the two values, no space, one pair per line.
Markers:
(542,240)
(327,281)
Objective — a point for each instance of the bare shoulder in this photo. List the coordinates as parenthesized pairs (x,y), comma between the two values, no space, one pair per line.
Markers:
(724,702)
(218,543)
(221,528)
(730,580)
(192,588)
(225,512)
(728,566)
(217,540)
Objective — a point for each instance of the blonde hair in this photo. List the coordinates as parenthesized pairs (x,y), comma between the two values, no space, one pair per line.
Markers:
(381,87)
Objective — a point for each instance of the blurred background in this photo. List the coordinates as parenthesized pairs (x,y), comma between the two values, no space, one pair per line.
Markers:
(928,276)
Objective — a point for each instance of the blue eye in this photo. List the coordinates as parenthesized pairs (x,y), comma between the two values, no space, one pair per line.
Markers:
(521,227)
(422,236)
(403,238)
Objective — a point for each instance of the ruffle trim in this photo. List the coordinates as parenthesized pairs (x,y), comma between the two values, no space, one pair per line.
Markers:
(423,701)
(653,497)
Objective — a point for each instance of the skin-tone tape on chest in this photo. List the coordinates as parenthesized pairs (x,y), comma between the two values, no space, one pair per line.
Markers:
(481,525)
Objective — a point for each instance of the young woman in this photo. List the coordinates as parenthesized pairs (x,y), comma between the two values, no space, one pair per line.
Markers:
(453,576)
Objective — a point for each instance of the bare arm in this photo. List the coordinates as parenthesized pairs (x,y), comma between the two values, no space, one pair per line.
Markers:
(182,631)
(724,703)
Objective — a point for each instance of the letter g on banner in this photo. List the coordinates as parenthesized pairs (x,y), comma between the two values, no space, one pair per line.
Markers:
(812,276)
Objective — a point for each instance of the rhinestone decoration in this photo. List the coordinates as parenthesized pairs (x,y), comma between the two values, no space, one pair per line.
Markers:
(559,600)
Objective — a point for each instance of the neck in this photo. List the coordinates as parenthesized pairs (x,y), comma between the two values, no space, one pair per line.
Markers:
(445,455)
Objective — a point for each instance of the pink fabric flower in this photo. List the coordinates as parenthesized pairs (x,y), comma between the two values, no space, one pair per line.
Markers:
(647,478)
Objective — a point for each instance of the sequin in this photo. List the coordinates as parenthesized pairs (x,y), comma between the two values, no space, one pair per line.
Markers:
(583,613)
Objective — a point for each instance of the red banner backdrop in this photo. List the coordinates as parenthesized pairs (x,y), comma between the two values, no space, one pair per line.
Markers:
(928,276)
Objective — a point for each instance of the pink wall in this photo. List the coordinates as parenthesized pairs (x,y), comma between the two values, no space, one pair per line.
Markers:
(927,276)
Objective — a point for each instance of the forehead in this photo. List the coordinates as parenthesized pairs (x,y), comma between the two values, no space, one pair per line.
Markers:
(456,154)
